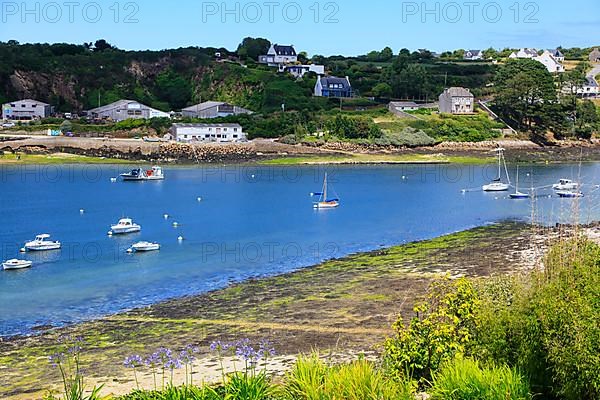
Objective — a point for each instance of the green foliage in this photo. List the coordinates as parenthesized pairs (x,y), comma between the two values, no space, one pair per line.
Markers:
(66,126)
(312,379)
(408,137)
(353,127)
(456,128)
(244,386)
(547,323)
(176,393)
(466,379)
(173,89)
(252,48)
(441,329)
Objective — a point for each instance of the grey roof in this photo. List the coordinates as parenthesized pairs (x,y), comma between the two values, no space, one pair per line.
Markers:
(116,104)
(595,53)
(459,92)
(207,126)
(591,81)
(284,50)
(204,106)
(474,52)
(531,52)
(29,101)
(404,104)
(329,80)
(556,52)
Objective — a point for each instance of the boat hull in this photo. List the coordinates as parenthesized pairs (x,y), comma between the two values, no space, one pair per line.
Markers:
(146,247)
(496,187)
(519,196)
(21,264)
(569,195)
(327,205)
(123,231)
(42,247)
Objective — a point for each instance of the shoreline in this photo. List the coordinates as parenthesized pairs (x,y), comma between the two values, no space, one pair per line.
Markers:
(59,150)
(346,304)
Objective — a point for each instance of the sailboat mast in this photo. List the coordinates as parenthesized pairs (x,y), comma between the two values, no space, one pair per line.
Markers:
(506,168)
(517,187)
(325,188)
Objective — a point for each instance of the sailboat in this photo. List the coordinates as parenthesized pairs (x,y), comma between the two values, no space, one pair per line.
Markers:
(324,202)
(517,194)
(497,185)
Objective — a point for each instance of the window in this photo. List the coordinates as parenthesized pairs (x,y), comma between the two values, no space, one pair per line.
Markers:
(235,136)
(13,105)
(235,129)
(185,136)
(23,105)
(225,130)
(33,105)
(207,136)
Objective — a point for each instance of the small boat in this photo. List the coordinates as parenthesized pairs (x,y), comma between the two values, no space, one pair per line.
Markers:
(16,264)
(565,185)
(518,195)
(569,194)
(497,185)
(324,202)
(134,175)
(125,225)
(138,174)
(146,246)
(41,243)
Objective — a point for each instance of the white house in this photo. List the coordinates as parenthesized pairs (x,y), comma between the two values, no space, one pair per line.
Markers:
(551,63)
(403,106)
(300,70)
(126,109)
(524,53)
(473,55)
(279,55)
(557,54)
(219,133)
(589,89)
(26,110)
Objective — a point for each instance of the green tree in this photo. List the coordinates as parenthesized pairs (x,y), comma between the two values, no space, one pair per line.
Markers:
(173,88)
(253,47)
(382,90)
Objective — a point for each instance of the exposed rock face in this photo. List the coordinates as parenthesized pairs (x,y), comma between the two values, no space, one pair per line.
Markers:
(37,85)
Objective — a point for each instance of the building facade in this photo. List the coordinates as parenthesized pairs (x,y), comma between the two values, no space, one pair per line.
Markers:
(331,86)
(551,63)
(473,55)
(457,100)
(207,133)
(279,55)
(300,70)
(524,53)
(26,110)
(595,56)
(126,109)
(213,109)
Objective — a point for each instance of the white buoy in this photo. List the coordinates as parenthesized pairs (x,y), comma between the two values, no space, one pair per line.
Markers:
(175,224)
(464,191)
(113,180)
(403,177)
(253,176)
(199,199)
(180,238)
(81,211)
(110,233)
(166,216)
(23,250)
(129,251)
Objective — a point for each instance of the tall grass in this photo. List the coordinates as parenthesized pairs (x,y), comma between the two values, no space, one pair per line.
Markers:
(312,379)
(465,379)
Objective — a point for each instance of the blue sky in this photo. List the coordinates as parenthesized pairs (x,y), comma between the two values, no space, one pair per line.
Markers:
(348,27)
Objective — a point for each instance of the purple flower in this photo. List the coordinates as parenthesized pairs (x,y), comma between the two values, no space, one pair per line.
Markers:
(188,354)
(245,351)
(266,349)
(173,363)
(219,346)
(162,355)
(133,361)
(57,359)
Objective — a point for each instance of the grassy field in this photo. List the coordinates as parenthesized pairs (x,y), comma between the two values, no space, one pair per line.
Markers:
(55,158)
(381,159)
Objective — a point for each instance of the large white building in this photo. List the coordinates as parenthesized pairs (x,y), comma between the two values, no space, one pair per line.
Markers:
(126,109)
(279,55)
(220,133)
(27,109)
(524,53)
(550,62)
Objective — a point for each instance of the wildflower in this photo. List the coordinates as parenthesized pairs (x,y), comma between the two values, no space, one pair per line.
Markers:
(245,351)
(133,361)
(266,349)
(188,354)
(219,346)
(172,364)
(57,359)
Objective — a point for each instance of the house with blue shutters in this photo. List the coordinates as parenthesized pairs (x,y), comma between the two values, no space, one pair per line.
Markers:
(331,86)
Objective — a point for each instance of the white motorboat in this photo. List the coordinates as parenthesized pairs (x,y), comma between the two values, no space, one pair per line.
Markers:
(565,185)
(125,225)
(16,264)
(324,202)
(138,174)
(568,194)
(146,246)
(497,185)
(41,243)
(155,174)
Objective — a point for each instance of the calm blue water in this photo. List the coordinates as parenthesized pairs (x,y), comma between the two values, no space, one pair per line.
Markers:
(251,222)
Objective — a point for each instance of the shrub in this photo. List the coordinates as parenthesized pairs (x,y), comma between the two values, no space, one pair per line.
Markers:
(312,379)
(465,379)
(410,137)
(441,329)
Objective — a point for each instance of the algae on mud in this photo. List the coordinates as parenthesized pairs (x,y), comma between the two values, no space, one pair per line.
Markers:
(347,303)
